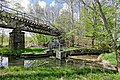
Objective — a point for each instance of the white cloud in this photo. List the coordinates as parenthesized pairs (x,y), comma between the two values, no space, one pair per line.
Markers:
(8,0)
(42,4)
(76,16)
(64,8)
(23,3)
(52,4)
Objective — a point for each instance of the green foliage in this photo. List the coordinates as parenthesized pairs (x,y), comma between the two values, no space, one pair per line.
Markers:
(89,24)
(111,57)
(41,39)
(8,52)
(63,22)
(93,26)
(4,40)
(42,73)
(34,49)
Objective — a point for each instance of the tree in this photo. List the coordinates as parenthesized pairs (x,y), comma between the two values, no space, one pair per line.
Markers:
(108,29)
(2,36)
(62,23)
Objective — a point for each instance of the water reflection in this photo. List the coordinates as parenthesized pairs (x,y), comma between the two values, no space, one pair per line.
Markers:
(14,61)
(44,62)
(28,63)
(4,62)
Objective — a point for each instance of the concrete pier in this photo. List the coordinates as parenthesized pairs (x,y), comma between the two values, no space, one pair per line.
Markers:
(17,40)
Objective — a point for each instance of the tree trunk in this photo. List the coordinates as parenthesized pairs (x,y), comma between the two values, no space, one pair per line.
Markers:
(110,35)
(72,21)
(93,41)
(72,40)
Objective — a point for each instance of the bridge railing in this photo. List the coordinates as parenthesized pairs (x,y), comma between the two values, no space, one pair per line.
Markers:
(23,15)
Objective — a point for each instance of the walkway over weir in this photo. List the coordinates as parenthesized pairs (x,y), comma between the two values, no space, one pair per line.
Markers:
(19,21)
(11,18)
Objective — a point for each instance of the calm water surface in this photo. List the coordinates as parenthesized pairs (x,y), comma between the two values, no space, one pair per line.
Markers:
(72,61)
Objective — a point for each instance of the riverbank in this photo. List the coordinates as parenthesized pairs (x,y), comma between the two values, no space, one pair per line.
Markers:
(85,72)
(58,73)
(8,52)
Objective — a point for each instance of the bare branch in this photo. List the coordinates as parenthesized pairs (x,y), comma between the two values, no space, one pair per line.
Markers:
(87,5)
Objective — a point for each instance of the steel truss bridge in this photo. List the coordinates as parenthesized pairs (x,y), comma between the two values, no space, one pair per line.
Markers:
(13,19)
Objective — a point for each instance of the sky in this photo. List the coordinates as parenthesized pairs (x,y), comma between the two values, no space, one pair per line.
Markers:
(47,1)
(25,3)
(44,2)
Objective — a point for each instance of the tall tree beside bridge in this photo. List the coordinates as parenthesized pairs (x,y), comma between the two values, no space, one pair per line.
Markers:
(107,26)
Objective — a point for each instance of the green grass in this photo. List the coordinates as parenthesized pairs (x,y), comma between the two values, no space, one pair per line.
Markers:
(111,57)
(70,48)
(86,49)
(75,48)
(34,50)
(42,73)
(8,52)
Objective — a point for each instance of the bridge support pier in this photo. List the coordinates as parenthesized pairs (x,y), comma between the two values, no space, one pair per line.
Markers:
(16,40)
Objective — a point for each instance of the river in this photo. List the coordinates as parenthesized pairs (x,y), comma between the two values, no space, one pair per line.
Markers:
(71,61)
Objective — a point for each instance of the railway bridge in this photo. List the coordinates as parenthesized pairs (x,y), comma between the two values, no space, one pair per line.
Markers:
(19,21)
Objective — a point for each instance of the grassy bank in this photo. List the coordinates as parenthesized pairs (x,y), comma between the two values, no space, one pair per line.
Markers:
(111,57)
(8,52)
(70,48)
(41,73)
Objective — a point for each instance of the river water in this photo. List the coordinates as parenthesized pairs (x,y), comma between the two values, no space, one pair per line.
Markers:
(72,61)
